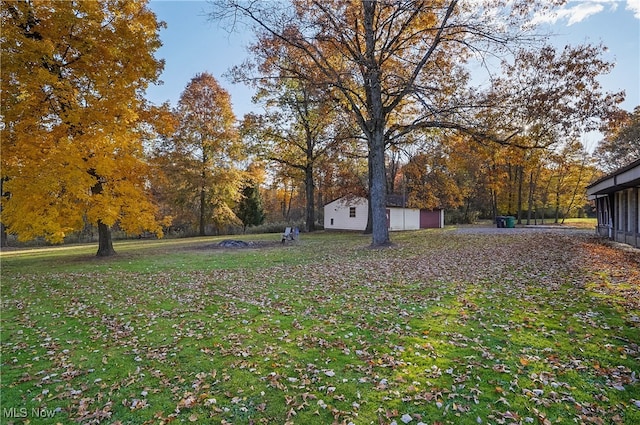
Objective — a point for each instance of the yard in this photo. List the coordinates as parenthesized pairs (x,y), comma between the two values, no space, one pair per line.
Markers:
(448,326)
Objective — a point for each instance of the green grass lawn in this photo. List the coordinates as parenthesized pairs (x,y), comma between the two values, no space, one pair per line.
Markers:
(444,327)
(581,223)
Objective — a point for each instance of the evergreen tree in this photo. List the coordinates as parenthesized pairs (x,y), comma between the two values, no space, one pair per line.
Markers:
(249,209)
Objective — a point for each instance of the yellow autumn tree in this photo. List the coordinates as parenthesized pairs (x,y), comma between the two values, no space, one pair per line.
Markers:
(430,183)
(200,159)
(73,81)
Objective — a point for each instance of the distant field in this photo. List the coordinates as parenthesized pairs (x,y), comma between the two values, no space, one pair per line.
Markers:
(444,327)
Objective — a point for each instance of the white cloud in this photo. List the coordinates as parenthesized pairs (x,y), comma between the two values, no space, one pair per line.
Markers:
(579,10)
(634,6)
(582,11)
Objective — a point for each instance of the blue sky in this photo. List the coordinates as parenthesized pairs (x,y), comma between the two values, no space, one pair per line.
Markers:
(192,44)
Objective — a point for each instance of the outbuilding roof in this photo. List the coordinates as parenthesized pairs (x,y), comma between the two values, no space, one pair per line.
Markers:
(628,176)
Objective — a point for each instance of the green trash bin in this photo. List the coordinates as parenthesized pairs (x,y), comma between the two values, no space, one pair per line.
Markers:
(510,222)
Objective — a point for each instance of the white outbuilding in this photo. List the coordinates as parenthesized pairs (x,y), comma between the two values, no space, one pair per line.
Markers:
(351,212)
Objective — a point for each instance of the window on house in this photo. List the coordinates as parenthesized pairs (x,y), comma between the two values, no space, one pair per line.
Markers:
(352,212)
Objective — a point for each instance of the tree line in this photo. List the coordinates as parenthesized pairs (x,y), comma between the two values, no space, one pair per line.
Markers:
(360,98)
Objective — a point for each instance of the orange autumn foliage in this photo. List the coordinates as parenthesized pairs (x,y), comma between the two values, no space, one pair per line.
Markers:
(73,80)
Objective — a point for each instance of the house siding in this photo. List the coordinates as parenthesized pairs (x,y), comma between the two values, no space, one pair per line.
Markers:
(404,219)
(617,199)
(626,227)
(336,216)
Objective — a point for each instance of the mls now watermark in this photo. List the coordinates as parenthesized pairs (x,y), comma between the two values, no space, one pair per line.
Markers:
(23,412)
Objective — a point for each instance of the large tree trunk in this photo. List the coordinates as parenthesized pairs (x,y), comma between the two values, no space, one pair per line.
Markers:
(311,208)
(378,193)
(203,192)
(375,133)
(510,195)
(494,203)
(4,240)
(520,178)
(105,244)
(201,231)
(530,200)
(557,203)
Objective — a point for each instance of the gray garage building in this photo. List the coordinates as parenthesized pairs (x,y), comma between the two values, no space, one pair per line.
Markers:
(617,198)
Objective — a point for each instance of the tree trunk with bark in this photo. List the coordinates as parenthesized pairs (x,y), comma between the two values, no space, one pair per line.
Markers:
(375,134)
(510,194)
(557,207)
(4,240)
(201,226)
(530,199)
(203,185)
(378,193)
(105,244)
(520,178)
(310,224)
